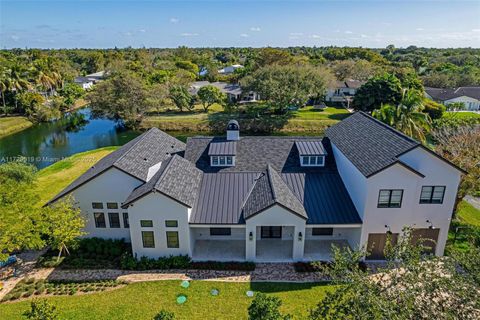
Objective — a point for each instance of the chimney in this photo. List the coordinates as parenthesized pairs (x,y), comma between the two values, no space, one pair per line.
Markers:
(233,130)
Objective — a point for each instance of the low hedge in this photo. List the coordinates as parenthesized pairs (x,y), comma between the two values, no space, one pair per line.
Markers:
(128,262)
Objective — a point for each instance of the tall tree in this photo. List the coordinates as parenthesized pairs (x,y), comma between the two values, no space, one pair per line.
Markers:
(209,95)
(385,89)
(407,116)
(181,97)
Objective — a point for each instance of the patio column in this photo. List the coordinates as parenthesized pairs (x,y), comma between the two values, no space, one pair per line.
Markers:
(250,242)
(298,243)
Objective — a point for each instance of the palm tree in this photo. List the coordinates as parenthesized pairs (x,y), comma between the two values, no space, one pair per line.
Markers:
(407,116)
(4,86)
(17,80)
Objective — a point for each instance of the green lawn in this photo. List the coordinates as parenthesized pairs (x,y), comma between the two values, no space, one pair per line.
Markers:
(468,214)
(461,115)
(10,125)
(144,300)
(54,178)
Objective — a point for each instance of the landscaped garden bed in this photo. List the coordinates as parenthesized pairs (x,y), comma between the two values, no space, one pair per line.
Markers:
(320,266)
(31,287)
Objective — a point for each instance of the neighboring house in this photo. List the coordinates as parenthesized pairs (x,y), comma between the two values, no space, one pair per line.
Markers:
(469,96)
(230,69)
(254,198)
(343,91)
(89,80)
(233,91)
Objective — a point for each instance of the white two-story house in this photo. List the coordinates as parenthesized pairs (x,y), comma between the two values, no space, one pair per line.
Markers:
(242,198)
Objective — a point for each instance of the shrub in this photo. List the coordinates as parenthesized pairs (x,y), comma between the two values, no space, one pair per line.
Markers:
(41,310)
(265,307)
(434,110)
(164,315)
(28,293)
(16,295)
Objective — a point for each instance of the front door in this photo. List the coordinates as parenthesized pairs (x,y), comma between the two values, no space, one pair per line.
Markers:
(271,232)
(376,245)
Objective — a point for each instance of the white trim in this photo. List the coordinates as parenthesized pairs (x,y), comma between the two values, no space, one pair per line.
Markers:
(359,225)
(219,159)
(216,226)
(319,156)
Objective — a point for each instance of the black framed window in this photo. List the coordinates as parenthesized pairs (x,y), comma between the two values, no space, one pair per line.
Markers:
(271,232)
(148,239)
(390,198)
(172,239)
(220,231)
(171,223)
(114,219)
(126,224)
(322,231)
(99,220)
(112,205)
(97,205)
(432,194)
(146,223)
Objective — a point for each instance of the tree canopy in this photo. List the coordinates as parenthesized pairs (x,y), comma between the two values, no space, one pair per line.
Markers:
(384,89)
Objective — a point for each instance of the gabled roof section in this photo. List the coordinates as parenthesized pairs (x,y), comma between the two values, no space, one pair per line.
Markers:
(224,148)
(177,178)
(369,144)
(310,148)
(134,158)
(443,94)
(268,190)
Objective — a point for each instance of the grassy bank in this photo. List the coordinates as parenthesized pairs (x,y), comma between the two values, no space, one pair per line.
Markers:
(144,300)
(304,121)
(11,125)
(468,214)
(54,178)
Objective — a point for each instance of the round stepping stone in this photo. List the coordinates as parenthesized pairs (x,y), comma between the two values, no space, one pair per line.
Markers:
(249,293)
(181,299)
(214,292)
(185,284)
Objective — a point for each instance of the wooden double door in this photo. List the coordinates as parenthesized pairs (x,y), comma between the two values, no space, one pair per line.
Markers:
(377,242)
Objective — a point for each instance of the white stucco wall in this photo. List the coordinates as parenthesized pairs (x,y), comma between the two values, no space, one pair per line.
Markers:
(353,179)
(275,216)
(111,186)
(471,104)
(351,234)
(203,233)
(158,208)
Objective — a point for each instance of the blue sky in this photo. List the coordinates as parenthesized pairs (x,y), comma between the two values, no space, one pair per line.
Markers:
(121,23)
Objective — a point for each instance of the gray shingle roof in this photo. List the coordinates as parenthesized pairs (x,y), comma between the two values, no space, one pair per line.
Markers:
(324,197)
(442,94)
(221,197)
(310,147)
(177,178)
(133,158)
(226,148)
(368,143)
(270,189)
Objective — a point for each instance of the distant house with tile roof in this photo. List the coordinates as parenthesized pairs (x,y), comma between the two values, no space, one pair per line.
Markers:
(469,96)
(269,199)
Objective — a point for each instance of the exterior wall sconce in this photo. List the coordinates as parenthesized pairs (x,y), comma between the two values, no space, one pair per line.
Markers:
(431,224)
(388,229)
(300,236)
(250,236)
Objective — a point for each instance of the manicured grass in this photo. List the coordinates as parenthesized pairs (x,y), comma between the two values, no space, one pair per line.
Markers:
(54,178)
(468,214)
(461,115)
(329,113)
(11,125)
(144,300)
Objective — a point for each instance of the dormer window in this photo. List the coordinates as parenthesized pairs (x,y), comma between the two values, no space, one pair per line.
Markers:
(222,154)
(311,153)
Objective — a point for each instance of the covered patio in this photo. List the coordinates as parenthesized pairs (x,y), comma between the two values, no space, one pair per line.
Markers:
(321,250)
(274,250)
(219,250)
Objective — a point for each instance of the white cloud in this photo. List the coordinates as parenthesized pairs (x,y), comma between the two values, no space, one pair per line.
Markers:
(296,34)
(419,29)
(189,34)
(348,32)
(255,29)
(128,34)
(475,30)
(14,37)
(174,20)
(244,35)
(142,30)
(315,36)
(363,36)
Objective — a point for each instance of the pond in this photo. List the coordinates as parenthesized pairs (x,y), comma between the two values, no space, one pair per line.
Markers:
(46,143)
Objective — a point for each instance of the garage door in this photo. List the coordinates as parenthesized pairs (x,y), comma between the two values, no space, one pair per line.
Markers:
(427,237)
(376,245)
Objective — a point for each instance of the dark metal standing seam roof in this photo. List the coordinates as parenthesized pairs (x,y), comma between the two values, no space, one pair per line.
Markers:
(221,197)
(368,143)
(310,148)
(324,198)
(227,148)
